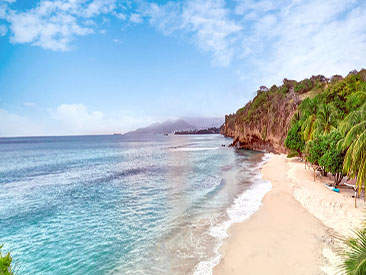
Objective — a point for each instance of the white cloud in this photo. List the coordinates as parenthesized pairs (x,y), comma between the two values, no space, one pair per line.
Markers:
(69,119)
(120,16)
(314,37)
(267,39)
(52,25)
(77,119)
(207,20)
(254,9)
(97,7)
(3,30)
(271,39)
(30,104)
(136,18)
(17,125)
(117,41)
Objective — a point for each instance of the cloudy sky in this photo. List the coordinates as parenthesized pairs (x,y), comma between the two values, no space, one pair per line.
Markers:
(101,66)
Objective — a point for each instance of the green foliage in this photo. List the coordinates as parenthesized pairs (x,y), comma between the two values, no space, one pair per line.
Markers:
(266,101)
(355,100)
(326,119)
(315,149)
(303,86)
(333,125)
(294,139)
(230,121)
(5,263)
(283,90)
(338,92)
(355,255)
(308,127)
(293,154)
(354,144)
(332,158)
(259,100)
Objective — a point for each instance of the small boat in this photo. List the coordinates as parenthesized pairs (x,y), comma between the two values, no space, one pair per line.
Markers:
(117,134)
(332,188)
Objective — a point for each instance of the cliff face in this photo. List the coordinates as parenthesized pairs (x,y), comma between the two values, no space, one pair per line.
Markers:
(263,123)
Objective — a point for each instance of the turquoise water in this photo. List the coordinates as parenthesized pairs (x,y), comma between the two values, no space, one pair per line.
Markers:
(112,205)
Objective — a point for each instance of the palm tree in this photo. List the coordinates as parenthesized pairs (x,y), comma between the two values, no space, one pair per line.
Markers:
(354,130)
(308,109)
(356,99)
(355,256)
(308,127)
(326,119)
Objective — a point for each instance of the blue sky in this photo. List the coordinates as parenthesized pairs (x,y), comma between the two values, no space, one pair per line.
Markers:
(93,67)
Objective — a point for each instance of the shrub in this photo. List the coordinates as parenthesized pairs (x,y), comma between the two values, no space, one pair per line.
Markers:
(295,140)
(5,264)
(303,86)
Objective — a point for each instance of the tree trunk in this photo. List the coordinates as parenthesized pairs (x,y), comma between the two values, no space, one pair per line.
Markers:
(323,172)
(337,178)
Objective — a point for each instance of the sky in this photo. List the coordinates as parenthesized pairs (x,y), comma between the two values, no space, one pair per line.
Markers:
(70,67)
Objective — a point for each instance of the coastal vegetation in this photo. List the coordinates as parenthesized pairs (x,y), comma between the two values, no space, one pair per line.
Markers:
(321,120)
(355,255)
(207,131)
(329,129)
(5,263)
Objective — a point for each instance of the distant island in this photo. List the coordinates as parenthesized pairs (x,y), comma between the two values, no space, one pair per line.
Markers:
(208,131)
(180,125)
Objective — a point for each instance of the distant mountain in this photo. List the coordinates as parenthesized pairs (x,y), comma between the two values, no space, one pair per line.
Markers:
(205,122)
(166,127)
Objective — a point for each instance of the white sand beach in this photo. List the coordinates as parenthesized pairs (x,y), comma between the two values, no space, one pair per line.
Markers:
(293,231)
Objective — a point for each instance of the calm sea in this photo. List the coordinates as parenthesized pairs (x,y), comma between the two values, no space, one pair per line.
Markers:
(117,205)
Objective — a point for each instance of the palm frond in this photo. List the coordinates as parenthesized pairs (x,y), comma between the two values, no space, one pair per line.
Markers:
(353,134)
(355,255)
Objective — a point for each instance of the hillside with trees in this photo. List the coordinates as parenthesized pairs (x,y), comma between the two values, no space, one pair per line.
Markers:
(318,119)
(329,130)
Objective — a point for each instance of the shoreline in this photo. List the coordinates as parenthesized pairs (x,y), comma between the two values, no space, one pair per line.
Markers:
(292,232)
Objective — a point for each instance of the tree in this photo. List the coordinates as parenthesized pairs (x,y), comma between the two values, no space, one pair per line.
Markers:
(5,264)
(315,150)
(294,139)
(326,119)
(332,159)
(308,109)
(355,100)
(354,143)
(308,127)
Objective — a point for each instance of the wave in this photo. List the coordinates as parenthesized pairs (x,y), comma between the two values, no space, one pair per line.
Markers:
(245,205)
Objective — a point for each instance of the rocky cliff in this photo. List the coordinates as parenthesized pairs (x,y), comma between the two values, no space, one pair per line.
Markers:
(262,124)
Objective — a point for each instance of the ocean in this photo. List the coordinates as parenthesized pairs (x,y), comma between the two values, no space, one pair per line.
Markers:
(117,205)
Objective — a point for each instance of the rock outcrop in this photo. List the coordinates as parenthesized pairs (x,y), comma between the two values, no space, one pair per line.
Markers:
(262,124)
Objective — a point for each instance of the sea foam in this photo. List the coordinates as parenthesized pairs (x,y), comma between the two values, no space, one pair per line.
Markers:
(243,206)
